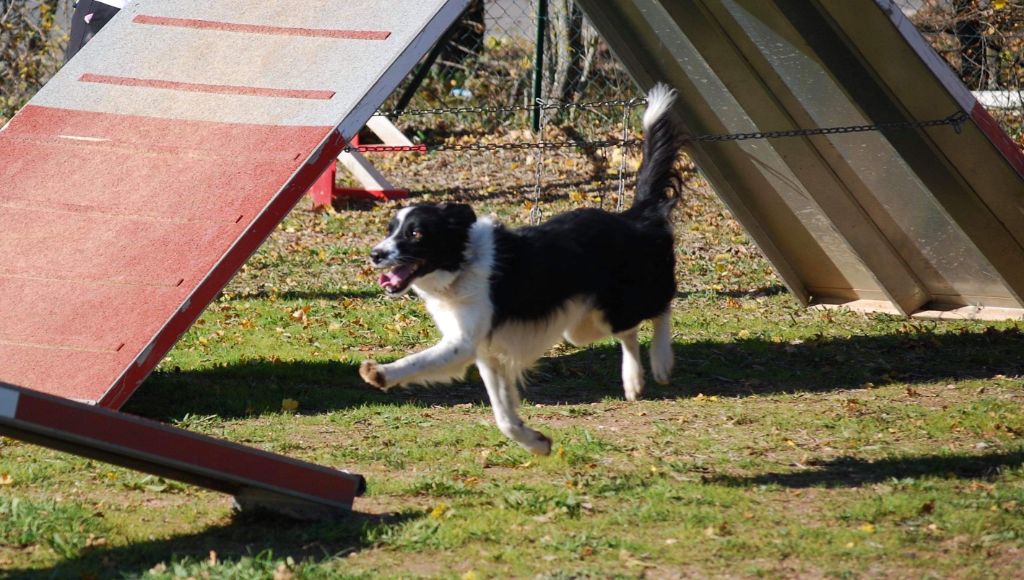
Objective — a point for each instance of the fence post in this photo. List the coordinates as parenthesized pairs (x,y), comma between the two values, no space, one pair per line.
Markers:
(538,62)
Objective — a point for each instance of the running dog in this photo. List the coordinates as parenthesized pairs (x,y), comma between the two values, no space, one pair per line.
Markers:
(501,298)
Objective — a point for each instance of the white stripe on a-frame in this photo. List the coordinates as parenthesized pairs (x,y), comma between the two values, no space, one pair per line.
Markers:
(8,402)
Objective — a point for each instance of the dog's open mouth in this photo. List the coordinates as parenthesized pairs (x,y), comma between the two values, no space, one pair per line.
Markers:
(398,278)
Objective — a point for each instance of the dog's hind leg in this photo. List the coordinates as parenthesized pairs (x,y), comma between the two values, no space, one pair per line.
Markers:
(632,368)
(504,394)
(661,348)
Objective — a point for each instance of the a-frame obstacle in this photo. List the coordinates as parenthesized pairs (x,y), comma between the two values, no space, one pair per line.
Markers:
(141,177)
(925,221)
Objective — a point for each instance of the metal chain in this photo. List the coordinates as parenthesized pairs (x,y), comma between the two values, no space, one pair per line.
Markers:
(955,120)
(538,189)
(537,145)
(620,203)
(497,146)
(547,106)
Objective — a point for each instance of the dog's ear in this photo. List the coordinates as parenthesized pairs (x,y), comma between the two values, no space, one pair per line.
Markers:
(458,214)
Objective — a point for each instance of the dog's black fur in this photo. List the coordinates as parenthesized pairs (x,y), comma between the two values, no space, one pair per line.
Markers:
(587,252)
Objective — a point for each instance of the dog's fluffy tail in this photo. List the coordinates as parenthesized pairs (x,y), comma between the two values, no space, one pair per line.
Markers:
(662,139)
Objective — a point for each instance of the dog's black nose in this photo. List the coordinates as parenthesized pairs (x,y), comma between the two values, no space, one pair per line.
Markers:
(378,255)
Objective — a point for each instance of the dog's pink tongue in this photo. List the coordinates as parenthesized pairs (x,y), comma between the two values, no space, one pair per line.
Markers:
(397,277)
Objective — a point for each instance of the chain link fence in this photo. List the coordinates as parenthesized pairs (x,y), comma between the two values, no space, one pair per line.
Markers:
(33,34)
(493,61)
(983,41)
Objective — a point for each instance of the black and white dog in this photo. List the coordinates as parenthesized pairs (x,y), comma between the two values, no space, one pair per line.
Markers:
(501,298)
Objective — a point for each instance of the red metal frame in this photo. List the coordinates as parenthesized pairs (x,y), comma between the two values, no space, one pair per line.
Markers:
(256,478)
(325,191)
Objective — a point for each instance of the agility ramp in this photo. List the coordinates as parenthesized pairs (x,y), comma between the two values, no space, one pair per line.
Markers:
(926,222)
(138,180)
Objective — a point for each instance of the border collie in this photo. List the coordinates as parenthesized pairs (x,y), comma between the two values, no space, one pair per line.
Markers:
(501,298)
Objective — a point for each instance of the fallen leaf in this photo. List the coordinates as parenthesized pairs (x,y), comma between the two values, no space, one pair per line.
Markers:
(439,511)
(300,314)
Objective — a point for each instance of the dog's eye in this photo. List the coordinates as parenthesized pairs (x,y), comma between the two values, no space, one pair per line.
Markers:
(416,234)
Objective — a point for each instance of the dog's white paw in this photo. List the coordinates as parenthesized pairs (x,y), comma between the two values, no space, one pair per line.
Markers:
(662,373)
(542,446)
(661,365)
(634,386)
(373,373)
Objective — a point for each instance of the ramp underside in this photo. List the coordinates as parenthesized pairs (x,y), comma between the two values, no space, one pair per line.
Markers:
(136,183)
(924,222)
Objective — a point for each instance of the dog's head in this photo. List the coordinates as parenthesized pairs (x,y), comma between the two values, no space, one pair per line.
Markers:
(422,239)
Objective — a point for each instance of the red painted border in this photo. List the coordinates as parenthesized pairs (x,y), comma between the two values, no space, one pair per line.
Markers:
(261,28)
(137,438)
(207,88)
(991,128)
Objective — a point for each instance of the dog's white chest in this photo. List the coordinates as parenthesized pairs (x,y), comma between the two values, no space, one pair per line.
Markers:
(451,319)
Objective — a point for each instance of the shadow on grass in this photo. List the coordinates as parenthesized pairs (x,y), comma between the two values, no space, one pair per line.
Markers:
(322,294)
(741,368)
(761,292)
(264,538)
(855,471)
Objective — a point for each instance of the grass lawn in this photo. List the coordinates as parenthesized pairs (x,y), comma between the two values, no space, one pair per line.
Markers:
(790,443)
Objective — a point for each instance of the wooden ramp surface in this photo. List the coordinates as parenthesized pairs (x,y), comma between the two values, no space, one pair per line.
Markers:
(138,180)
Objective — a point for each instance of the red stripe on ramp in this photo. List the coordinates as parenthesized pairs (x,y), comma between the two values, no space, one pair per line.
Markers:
(262,29)
(1009,149)
(206,88)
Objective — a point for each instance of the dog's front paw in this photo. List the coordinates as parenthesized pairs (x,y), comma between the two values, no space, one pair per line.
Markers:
(373,373)
(543,445)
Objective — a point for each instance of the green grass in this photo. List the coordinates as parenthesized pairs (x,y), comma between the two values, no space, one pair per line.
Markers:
(790,443)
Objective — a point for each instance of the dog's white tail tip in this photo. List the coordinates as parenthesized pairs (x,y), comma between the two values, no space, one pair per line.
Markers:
(659,100)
